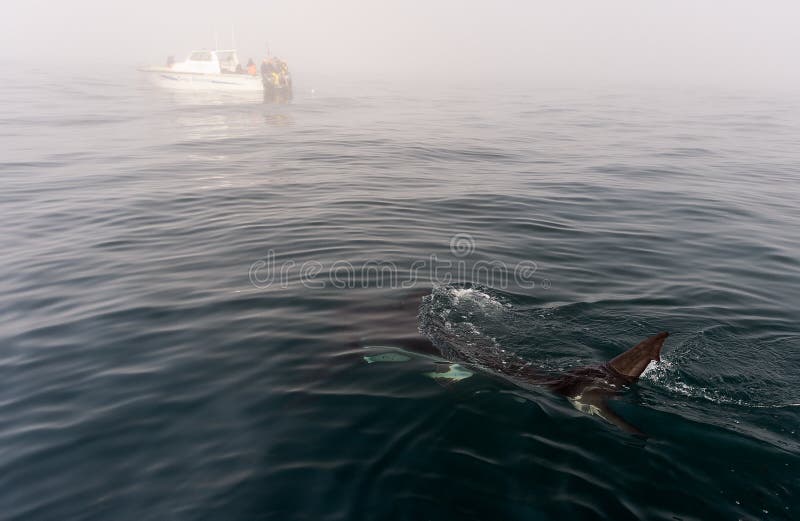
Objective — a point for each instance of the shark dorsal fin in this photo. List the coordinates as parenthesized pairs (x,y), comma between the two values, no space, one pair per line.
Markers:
(633,362)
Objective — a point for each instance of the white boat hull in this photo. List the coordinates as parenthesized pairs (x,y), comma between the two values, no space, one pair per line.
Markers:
(171,79)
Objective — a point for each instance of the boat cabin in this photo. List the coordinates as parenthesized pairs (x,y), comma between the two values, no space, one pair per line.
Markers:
(209,62)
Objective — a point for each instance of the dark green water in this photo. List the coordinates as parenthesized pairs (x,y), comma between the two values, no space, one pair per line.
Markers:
(190,287)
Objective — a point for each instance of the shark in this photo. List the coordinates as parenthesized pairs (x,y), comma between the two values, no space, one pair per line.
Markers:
(588,388)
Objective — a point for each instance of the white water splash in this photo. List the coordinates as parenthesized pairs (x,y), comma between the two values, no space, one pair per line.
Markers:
(472,295)
(665,374)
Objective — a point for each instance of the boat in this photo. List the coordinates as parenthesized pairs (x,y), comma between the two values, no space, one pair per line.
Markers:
(217,70)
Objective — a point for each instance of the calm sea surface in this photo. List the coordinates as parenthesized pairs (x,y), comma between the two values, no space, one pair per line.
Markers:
(215,308)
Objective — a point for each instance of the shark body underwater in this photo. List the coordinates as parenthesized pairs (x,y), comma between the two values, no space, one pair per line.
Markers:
(588,389)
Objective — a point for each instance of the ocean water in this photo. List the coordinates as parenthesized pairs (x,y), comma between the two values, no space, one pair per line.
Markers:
(219,308)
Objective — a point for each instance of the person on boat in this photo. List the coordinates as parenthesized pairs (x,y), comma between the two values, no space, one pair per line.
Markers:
(170,61)
(251,67)
(277,72)
(269,70)
(286,79)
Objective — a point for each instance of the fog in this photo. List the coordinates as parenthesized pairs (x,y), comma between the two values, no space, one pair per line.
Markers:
(676,42)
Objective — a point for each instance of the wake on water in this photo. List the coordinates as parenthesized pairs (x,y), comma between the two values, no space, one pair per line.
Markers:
(478,317)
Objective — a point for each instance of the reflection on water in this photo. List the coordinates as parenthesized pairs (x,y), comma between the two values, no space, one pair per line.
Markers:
(277,97)
(278,119)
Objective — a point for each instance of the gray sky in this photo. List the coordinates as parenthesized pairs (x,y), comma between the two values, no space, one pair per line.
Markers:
(684,42)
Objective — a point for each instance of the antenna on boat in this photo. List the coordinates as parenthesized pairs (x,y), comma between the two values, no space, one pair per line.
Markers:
(233,38)
(216,39)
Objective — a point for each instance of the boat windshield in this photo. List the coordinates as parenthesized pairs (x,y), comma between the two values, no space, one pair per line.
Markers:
(200,56)
(228,60)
